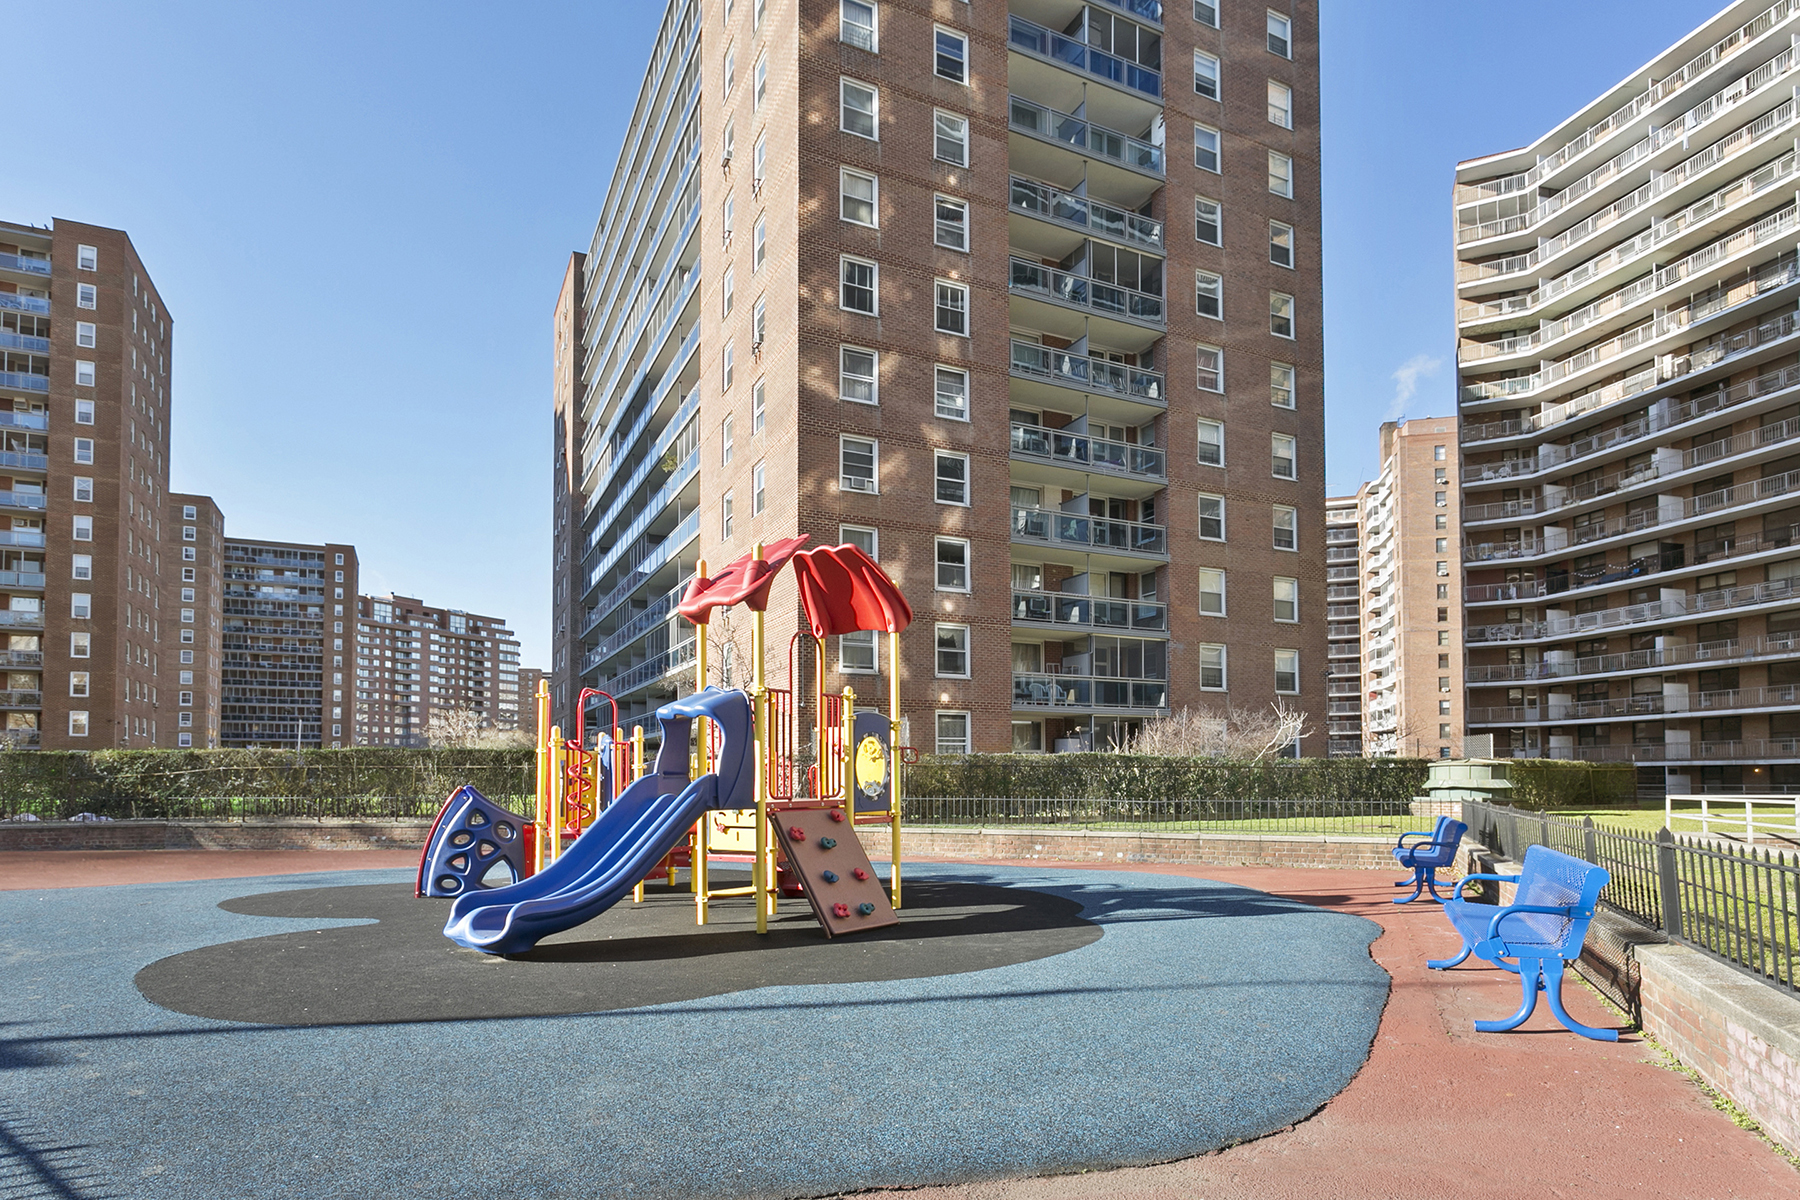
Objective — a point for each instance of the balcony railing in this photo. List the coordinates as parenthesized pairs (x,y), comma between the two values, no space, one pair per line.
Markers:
(20,341)
(21,699)
(31,500)
(30,266)
(1671,608)
(1089,374)
(1089,612)
(1081,693)
(1148,10)
(30,304)
(1085,453)
(1746,750)
(650,670)
(22,579)
(1079,56)
(1088,533)
(651,555)
(25,420)
(1041,121)
(1080,212)
(21,382)
(1654,704)
(657,613)
(1080,291)
(22,620)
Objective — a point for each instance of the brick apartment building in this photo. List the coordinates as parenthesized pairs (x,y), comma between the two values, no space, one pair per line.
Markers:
(414,660)
(917,276)
(1410,619)
(1629,362)
(287,610)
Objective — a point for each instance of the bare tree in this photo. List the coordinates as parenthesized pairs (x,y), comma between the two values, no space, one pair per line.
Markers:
(1252,735)
(466,729)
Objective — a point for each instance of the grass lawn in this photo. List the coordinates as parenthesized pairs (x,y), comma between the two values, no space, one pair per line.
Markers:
(1772,819)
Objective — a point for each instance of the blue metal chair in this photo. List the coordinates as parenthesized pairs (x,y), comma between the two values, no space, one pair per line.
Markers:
(1438,850)
(1543,928)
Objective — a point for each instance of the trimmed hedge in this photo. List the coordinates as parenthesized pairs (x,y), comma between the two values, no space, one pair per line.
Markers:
(362,782)
(1539,784)
(1370,783)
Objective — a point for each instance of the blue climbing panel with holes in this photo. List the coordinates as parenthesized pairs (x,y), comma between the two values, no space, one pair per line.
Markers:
(475,844)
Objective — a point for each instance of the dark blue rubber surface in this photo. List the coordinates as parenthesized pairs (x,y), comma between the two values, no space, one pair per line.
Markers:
(1205,1015)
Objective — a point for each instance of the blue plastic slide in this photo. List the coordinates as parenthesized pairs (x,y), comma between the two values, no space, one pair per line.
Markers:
(625,843)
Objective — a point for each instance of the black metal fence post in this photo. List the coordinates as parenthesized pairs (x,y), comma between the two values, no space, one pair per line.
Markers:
(1668,883)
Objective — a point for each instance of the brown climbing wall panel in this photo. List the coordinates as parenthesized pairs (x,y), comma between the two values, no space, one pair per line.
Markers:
(820,844)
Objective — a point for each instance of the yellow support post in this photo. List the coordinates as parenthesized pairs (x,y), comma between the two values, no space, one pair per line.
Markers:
(637,772)
(894,765)
(760,882)
(541,812)
(558,784)
(819,717)
(697,766)
(848,769)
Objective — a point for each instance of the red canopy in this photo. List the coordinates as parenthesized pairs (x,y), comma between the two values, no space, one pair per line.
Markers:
(744,581)
(842,590)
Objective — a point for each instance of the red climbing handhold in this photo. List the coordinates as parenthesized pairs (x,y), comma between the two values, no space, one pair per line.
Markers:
(860,873)
(797,833)
(837,814)
(840,910)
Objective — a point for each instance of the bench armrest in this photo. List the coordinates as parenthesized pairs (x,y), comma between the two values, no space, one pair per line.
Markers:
(1493,932)
(1495,878)
(1401,843)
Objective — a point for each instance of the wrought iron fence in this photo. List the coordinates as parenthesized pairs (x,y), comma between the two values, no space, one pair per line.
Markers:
(1739,904)
(1385,818)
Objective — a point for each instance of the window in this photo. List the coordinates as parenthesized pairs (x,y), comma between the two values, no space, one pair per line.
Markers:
(1281,33)
(1209,366)
(761,78)
(1212,517)
(1287,672)
(858,108)
(757,14)
(727,367)
(1443,568)
(951,143)
(952,474)
(186,718)
(1212,592)
(84,489)
(952,565)
(759,322)
(952,394)
(952,309)
(81,606)
(81,645)
(952,733)
(187,635)
(1212,443)
(84,412)
(1209,221)
(1443,544)
(1281,174)
(858,465)
(1287,528)
(1443,705)
(187,595)
(856,24)
(857,197)
(758,493)
(1281,244)
(859,285)
(1281,385)
(84,529)
(727,516)
(86,296)
(730,69)
(1281,105)
(87,258)
(1437,454)
(187,616)
(1209,295)
(728,145)
(187,554)
(759,163)
(859,375)
(78,723)
(1443,636)
(78,683)
(728,292)
(1287,599)
(81,566)
(1206,75)
(758,409)
(187,533)
(1281,314)
(1206,148)
(727,440)
(953,651)
(759,244)
(952,58)
(952,230)
(84,450)
(1282,455)
(84,334)
(1207,12)
(1440,475)
(856,652)
(84,373)
(863,538)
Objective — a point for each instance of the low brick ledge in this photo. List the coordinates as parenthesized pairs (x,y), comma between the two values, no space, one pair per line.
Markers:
(328,833)
(1740,1035)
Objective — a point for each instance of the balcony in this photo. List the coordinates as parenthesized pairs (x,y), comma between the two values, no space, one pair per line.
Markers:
(1053,47)
(1671,608)
(1093,375)
(25,420)
(1083,294)
(21,382)
(34,501)
(1109,145)
(1080,452)
(21,699)
(1673,704)
(1750,749)
(1088,693)
(20,341)
(22,579)
(25,304)
(19,739)
(22,658)
(1089,613)
(1085,215)
(21,620)
(1075,531)
(648,671)
(26,266)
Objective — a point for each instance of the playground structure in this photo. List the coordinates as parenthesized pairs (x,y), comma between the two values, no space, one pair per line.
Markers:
(726,783)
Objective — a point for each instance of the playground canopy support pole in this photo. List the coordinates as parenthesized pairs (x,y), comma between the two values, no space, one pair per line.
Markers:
(542,815)
(759,868)
(697,856)
(637,772)
(818,717)
(893,764)
(848,765)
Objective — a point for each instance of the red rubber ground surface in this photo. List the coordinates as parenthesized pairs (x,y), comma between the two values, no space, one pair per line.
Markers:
(1437,1111)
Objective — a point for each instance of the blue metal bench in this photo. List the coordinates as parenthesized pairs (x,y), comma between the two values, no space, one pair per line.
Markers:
(1543,927)
(1437,850)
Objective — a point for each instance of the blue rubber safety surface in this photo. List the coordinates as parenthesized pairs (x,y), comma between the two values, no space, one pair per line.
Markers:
(1204,1015)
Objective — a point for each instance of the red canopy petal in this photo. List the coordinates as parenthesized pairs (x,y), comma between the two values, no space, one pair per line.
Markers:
(744,581)
(843,590)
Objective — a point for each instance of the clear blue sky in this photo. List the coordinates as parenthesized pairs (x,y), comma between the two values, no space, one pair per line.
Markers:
(358,215)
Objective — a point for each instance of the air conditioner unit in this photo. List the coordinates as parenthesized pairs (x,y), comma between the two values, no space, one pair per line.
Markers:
(857,484)
(725,159)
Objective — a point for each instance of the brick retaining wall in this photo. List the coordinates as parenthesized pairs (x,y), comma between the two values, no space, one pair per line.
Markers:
(1101,846)
(214,835)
